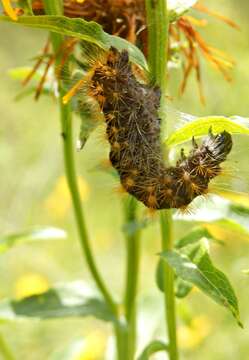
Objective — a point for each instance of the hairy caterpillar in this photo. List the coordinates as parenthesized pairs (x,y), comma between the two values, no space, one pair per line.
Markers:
(130,109)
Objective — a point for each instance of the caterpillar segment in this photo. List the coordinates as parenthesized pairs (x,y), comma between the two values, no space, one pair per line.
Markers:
(133,131)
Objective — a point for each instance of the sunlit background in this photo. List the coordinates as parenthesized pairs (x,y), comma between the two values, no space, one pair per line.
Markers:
(33,192)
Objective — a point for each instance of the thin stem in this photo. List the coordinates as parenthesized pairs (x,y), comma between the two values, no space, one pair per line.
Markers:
(132,272)
(66,124)
(53,7)
(5,350)
(158,29)
(169,295)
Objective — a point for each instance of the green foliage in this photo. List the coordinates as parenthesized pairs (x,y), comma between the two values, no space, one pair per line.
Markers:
(154,347)
(176,8)
(194,265)
(47,233)
(67,300)
(190,258)
(200,127)
(182,288)
(160,275)
(196,234)
(83,30)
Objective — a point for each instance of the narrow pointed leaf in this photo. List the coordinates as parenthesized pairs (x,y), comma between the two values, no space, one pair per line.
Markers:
(194,236)
(88,31)
(201,126)
(68,300)
(46,233)
(203,274)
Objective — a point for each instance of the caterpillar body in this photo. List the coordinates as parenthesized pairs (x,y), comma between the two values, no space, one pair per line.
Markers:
(133,130)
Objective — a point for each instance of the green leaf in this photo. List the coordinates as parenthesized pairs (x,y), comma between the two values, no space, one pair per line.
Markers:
(84,30)
(152,348)
(230,220)
(227,229)
(5,350)
(240,209)
(46,233)
(201,126)
(68,300)
(20,73)
(176,8)
(193,236)
(160,275)
(201,272)
(70,352)
(182,288)
(132,226)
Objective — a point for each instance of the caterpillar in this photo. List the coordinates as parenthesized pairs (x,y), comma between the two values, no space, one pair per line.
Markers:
(130,110)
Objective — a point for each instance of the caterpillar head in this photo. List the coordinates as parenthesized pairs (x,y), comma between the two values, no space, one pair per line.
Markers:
(218,146)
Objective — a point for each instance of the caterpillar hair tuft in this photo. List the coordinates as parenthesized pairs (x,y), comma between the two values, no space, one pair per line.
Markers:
(131,109)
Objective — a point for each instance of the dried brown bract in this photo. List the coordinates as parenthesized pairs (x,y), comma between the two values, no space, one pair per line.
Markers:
(127,19)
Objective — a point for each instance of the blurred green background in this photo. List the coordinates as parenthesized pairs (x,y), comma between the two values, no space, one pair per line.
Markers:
(33,193)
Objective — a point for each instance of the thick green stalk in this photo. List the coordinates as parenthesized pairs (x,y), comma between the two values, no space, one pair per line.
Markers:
(158,26)
(169,294)
(132,272)
(53,7)
(157,20)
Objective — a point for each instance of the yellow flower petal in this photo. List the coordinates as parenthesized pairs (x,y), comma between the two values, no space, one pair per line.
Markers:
(9,9)
(94,347)
(194,334)
(30,284)
(59,201)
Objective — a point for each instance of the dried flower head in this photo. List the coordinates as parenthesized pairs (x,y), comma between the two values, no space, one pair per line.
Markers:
(127,19)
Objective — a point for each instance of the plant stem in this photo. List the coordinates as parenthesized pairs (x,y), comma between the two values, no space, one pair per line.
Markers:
(5,350)
(53,7)
(132,272)
(169,295)
(158,26)
(66,124)
(157,21)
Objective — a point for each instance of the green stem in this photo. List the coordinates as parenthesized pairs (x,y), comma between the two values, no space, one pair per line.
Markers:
(53,7)
(132,272)
(66,124)
(121,340)
(5,350)
(158,26)
(157,20)
(169,295)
